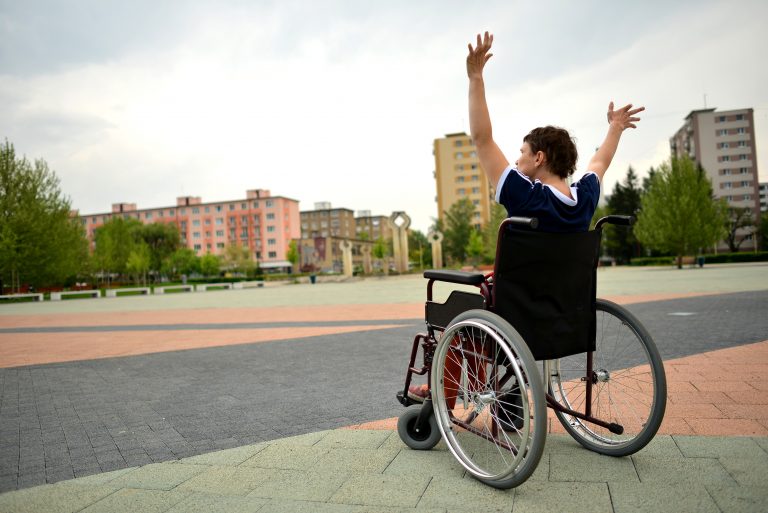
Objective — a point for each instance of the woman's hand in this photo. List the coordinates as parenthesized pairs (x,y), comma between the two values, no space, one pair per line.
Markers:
(479,56)
(624,117)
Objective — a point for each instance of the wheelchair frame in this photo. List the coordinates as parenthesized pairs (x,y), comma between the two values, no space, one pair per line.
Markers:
(418,429)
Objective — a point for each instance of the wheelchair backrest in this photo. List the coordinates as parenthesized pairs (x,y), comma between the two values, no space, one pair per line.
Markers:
(544,284)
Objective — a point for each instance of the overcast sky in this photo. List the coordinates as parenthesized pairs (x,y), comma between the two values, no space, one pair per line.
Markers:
(340,101)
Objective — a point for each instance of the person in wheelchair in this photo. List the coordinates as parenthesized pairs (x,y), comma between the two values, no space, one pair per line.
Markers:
(537,185)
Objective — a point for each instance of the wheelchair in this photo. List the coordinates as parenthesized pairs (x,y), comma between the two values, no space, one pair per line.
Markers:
(601,372)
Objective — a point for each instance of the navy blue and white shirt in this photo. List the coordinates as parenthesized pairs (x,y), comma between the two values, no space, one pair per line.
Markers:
(555,211)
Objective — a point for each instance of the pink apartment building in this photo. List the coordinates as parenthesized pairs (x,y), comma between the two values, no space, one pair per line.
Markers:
(264,223)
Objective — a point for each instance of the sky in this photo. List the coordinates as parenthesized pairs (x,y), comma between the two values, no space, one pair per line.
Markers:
(340,101)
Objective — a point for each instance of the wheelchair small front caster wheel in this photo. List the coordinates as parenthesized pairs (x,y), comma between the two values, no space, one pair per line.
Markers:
(422,440)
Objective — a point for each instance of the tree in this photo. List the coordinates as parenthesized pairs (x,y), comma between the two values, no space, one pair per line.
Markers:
(678,212)
(237,258)
(139,261)
(183,261)
(738,219)
(379,251)
(210,265)
(458,228)
(763,232)
(115,240)
(475,247)
(162,239)
(419,248)
(491,232)
(621,243)
(292,254)
(41,242)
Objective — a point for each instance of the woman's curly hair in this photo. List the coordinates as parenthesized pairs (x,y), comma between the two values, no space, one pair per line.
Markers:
(557,145)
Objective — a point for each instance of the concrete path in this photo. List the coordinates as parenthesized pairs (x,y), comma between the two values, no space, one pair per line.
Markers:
(717,387)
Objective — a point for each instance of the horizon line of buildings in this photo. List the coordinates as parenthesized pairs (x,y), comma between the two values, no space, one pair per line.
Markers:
(722,142)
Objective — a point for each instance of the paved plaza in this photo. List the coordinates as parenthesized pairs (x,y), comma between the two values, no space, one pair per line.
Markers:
(282,399)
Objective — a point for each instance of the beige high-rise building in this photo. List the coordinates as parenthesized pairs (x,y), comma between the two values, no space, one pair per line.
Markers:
(458,175)
(723,143)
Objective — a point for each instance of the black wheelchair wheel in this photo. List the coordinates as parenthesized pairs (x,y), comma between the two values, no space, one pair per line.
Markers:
(422,440)
(492,410)
(629,387)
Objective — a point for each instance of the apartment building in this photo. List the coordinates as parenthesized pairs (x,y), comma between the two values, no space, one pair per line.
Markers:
(764,197)
(323,228)
(263,223)
(723,143)
(458,175)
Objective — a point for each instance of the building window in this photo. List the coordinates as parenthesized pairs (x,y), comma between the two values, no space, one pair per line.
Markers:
(459,155)
(232,233)
(746,183)
(743,157)
(473,154)
(461,192)
(231,220)
(269,203)
(243,206)
(207,235)
(475,190)
(218,208)
(208,221)
(741,130)
(219,233)
(244,220)
(460,167)
(460,179)
(723,145)
(220,245)
(195,210)
(458,142)
(273,254)
(170,212)
(270,228)
(244,233)
(477,204)
(747,197)
(196,222)
(722,132)
(196,235)
(219,220)
(739,117)
(743,170)
(255,204)
(742,144)
(726,185)
(725,158)
(720,119)
(207,209)
(725,171)
(475,178)
(198,247)
(271,242)
(183,211)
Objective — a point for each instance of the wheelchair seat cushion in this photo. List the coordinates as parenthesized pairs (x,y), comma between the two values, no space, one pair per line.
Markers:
(544,285)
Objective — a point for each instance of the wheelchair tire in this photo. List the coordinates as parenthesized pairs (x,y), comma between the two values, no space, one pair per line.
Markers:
(424,440)
(629,385)
(495,364)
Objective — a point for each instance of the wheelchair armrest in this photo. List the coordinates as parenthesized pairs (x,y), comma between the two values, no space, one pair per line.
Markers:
(460,277)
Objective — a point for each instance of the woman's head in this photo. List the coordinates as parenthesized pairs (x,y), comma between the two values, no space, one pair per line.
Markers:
(558,149)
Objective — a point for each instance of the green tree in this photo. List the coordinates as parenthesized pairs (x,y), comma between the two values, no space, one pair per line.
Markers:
(419,248)
(678,211)
(738,219)
(162,239)
(292,254)
(237,258)
(380,251)
(115,241)
(210,265)
(491,232)
(183,261)
(621,243)
(762,232)
(458,229)
(475,247)
(41,242)
(139,261)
